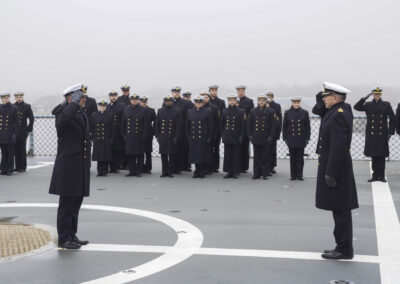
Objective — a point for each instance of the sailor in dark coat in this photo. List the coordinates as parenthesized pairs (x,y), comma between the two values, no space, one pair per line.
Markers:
(168,127)
(261,128)
(378,131)
(336,187)
(136,130)
(199,131)
(102,128)
(117,145)
(71,172)
(273,148)
(90,107)
(215,100)
(183,106)
(296,132)
(232,131)
(9,129)
(213,166)
(25,113)
(147,166)
(246,104)
(187,96)
(124,99)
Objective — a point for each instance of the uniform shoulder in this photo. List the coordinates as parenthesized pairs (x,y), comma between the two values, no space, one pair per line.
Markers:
(58,108)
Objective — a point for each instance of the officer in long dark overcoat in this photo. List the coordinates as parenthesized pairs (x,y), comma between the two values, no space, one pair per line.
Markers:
(232,131)
(296,132)
(90,106)
(261,129)
(25,113)
(117,145)
(220,103)
(148,165)
(246,104)
(381,125)
(124,99)
(135,129)
(102,128)
(168,127)
(199,131)
(71,172)
(187,96)
(9,128)
(212,167)
(336,187)
(273,147)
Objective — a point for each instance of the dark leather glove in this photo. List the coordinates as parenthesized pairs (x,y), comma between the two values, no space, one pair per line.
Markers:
(240,139)
(251,138)
(76,97)
(367,96)
(388,137)
(269,139)
(174,140)
(318,97)
(330,181)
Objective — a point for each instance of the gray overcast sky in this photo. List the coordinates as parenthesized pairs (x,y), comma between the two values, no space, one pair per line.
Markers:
(47,45)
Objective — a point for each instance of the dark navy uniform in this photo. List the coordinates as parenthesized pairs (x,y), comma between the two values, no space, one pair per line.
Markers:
(117,145)
(102,130)
(71,172)
(232,133)
(135,128)
(377,133)
(25,113)
(124,100)
(296,134)
(90,108)
(221,106)
(273,154)
(168,127)
(200,131)
(246,105)
(9,128)
(261,130)
(213,166)
(147,167)
(335,162)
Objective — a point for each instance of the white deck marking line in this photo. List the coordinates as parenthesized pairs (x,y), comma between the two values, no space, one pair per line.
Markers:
(223,252)
(387,232)
(189,240)
(40,165)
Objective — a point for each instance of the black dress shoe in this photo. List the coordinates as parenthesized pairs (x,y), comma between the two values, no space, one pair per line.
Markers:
(170,175)
(21,170)
(328,250)
(69,245)
(147,172)
(300,178)
(273,171)
(382,179)
(255,177)
(196,176)
(114,171)
(80,242)
(163,175)
(269,174)
(235,176)
(243,172)
(265,177)
(8,174)
(292,178)
(216,171)
(373,179)
(187,170)
(130,175)
(138,175)
(228,176)
(177,172)
(336,255)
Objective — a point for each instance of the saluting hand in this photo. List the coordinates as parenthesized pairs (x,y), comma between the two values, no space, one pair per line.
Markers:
(367,96)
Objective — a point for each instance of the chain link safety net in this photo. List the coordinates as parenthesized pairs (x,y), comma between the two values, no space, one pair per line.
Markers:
(43,140)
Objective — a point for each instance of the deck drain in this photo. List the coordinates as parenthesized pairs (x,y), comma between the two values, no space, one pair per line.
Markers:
(101,189)
(181,232)
(175,211)
(129,271)
(341,282)
(203,210)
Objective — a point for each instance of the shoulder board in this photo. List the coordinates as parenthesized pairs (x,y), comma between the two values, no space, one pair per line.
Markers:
(340,110)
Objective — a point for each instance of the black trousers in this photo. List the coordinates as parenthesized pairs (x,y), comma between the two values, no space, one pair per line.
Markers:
(115,164)
(216,156)
(272,155)
(168,162)
(244,154)
(343,231)
(260,160)
(148,165)
(135,164)
(232,159)
(200,169)
(67,217)
(185,156)
(7,158)
(20,154)
(102,167)
(296,162)
(378,167)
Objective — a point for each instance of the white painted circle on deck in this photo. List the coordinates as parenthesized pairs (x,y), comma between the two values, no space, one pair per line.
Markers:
(189,241)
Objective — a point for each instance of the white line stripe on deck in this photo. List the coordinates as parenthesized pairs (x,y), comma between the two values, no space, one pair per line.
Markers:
(222,252)
(388,232)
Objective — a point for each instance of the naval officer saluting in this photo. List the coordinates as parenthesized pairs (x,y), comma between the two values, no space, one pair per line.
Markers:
(336,187)
(71,173)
